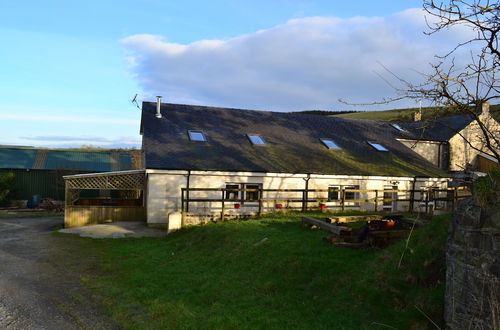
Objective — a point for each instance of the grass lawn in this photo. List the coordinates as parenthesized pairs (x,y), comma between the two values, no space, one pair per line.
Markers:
(216,276)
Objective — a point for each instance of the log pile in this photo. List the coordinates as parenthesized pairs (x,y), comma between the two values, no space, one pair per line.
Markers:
(378,231)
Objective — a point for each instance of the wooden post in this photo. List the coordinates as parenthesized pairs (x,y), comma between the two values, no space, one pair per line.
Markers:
(412,194)
(260,202)
(426,201)
(342,202)
(305,196)
(66,194)
(183,210)
(376,200)
(454,199)
(412,200)
(187,190)
(223,207)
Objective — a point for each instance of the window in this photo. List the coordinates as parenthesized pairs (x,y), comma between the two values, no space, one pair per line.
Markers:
(232,195)
(389,197)
(330,144)
(333,193)
(399,128)
(351,195)
(235,195)
(256,139)
(378,146)
(197,136)
(252,195)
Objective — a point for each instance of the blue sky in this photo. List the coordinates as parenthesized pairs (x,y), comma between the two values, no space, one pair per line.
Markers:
(69,69)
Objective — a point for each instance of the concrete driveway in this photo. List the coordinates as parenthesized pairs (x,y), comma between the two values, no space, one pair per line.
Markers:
(36,290)
(116,230)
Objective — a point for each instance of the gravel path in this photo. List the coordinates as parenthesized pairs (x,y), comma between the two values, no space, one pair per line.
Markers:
(37,288)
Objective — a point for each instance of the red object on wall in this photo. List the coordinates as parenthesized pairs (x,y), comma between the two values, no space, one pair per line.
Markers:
(322,205)
(279,206)
(237,206)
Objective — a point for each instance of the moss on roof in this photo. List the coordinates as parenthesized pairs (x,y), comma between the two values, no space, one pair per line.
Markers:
(294,144)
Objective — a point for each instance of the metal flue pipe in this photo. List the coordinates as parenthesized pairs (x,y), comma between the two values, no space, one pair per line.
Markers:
(158,107)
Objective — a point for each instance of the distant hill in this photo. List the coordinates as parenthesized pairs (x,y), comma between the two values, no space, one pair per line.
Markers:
(406,115)
(323,112)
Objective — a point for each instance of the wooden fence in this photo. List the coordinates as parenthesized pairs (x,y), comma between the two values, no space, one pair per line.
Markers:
(77,216)
(426,199)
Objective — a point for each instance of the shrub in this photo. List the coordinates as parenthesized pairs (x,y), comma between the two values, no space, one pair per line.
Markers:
(487,188)
(6,187)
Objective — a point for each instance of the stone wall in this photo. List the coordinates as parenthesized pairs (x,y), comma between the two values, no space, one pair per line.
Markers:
(462,155)
(473,268)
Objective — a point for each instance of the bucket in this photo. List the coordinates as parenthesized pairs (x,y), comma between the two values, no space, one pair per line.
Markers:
(33,201)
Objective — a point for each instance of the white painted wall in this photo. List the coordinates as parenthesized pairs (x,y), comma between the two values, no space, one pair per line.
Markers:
(164,190)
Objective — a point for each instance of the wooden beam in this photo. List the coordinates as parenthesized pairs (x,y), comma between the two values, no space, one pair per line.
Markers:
(395,233)
(354,218)
(339,230)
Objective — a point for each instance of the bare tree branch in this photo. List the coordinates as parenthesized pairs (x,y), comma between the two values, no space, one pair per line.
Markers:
(464,87)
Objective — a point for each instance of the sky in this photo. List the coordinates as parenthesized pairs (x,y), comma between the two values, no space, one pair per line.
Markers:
(69,70)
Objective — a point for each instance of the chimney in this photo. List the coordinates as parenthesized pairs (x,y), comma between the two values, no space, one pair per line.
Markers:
(485,108)
(417,116)
(158,107)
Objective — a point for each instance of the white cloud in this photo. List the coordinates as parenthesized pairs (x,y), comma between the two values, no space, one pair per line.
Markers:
(306,63)
(76,141)
(67,119)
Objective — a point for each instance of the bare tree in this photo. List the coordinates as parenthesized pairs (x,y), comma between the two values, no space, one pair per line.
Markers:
(463,86)
(467,87)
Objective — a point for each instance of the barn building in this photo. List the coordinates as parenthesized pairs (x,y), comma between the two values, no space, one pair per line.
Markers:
(203,163)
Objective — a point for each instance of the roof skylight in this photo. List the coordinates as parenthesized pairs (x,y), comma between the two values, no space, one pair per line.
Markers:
(256,139)
(197,136)
(330,144)
(399,128)
(377,146)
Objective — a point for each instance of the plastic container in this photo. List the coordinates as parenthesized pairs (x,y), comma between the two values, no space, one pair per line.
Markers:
(34,201)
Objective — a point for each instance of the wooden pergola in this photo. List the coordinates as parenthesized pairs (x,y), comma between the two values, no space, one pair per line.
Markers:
(131,183)
(133,180)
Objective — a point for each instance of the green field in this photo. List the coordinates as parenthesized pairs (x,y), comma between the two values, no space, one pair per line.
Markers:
(406,115)
(218,276)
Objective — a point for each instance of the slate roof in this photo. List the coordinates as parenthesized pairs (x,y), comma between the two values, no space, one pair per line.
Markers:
(57,159)
(439,129)
(293,143)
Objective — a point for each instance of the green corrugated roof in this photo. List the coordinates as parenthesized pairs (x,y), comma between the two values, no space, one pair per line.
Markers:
(17,158)
(79,160)
(126,162)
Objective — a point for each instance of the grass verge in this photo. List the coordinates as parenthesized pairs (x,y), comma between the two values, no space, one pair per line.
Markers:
(217,276)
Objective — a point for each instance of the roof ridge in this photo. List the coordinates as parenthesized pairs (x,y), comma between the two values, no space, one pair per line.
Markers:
(279,113)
